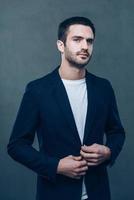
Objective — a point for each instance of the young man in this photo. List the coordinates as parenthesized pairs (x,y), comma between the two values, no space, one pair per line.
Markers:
(70,109)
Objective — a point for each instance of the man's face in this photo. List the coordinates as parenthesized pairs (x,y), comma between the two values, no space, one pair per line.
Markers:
(79,45)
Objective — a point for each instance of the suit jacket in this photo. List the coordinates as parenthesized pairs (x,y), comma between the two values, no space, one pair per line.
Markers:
(45,110)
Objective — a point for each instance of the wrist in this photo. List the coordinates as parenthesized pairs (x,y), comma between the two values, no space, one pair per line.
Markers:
(60,167)
(108,152)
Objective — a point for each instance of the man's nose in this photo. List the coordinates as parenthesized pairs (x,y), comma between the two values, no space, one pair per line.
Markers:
(84,44)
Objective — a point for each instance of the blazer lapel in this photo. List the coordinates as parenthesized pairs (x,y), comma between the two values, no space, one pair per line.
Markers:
(62,100)
(91,105)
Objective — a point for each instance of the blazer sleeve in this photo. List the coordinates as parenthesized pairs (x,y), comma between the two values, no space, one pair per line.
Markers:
(115,134)
(22,137)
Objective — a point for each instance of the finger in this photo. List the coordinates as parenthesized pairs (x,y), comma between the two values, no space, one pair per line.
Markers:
(77,158)
(83,163)
(94,163)
(86,155)
(90,155)
(82,173)
(82,169)
(87,149)
(70,156)
(95,160)
(98,148)
(95,148)
(76,176)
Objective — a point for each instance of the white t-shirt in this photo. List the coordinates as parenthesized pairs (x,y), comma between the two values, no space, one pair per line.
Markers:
(77,94)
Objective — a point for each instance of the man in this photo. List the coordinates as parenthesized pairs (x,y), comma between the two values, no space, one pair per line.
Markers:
(71,110)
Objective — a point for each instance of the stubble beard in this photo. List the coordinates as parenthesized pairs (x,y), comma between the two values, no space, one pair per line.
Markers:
(74,62)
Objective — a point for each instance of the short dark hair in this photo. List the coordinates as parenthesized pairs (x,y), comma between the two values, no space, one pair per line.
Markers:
(64,26)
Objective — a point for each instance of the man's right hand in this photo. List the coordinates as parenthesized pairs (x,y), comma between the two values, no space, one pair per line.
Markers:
(72,166)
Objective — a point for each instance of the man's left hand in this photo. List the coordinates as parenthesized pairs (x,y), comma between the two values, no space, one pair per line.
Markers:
(95,154)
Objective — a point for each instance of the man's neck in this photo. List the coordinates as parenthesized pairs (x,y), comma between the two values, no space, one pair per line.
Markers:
(71,73)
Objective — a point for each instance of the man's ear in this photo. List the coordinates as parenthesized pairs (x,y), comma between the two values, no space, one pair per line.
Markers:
(60,46)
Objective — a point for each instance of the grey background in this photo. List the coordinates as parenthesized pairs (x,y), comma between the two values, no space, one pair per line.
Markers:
(28,33)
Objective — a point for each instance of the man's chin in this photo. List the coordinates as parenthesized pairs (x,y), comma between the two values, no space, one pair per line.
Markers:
(81,65)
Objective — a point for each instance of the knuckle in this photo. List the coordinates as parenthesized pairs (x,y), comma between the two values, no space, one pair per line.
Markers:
(85,162)
(76,170)
(84,168)
(97,151)
(74,167)
(83,173)
(97,156)
(79,164)
(81,151)
(96,160)
(82,163)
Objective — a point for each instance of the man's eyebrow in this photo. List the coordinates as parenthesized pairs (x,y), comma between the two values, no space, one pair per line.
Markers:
(80,37)
(76,36)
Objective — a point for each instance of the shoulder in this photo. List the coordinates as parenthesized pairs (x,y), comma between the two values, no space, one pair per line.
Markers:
(101,85)
(99,81)
(44,82)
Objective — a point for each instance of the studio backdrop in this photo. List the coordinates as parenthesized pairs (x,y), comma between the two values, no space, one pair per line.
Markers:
(28,34)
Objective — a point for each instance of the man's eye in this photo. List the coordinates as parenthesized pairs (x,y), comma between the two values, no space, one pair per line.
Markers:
(76,39)
(90,41)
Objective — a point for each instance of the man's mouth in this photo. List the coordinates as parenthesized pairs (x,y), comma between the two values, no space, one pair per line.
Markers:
(84,54)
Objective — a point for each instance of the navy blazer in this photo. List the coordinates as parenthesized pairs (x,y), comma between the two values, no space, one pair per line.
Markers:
(45,110)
